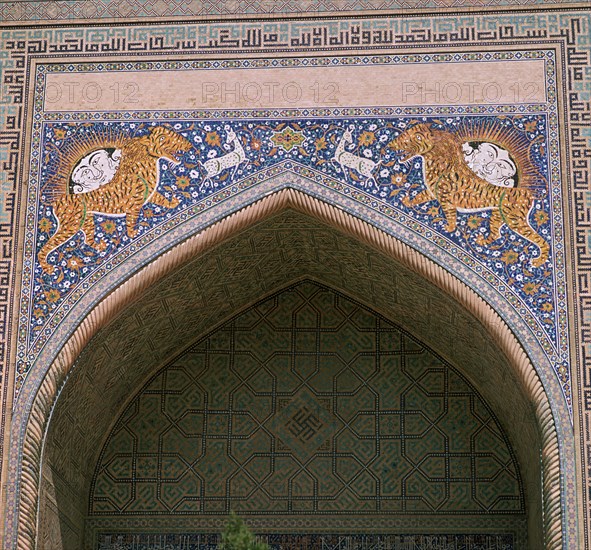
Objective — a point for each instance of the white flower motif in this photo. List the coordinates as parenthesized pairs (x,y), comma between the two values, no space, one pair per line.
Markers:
(367,153)
(384,173)
(194,174)
(197,139)
(383,138)
(213,153)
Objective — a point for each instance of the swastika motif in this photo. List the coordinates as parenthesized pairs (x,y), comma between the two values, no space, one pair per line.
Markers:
(304,424)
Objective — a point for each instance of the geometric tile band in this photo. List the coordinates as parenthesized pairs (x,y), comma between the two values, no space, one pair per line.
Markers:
(122,9)
(307,403)
(314,542)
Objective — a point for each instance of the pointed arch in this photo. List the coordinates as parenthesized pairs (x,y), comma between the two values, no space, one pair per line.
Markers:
(32,419)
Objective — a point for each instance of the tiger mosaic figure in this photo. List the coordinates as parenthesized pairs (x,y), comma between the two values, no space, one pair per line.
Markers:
(133,185)
(456,187)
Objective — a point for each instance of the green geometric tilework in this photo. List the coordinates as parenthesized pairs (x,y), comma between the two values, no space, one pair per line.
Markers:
(307,403)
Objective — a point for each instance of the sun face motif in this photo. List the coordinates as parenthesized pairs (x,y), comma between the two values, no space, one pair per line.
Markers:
(94,170)
(500,154)
(491,162)
(84,162)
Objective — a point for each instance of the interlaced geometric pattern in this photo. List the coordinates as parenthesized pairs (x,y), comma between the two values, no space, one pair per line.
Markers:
(307,403)
(126,541)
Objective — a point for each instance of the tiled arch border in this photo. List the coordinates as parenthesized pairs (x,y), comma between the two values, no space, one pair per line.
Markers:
(22,517)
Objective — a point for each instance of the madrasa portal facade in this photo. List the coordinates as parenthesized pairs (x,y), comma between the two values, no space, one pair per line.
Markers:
(325,265)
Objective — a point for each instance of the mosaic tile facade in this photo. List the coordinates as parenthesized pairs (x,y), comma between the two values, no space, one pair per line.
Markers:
(567,32)
(316,144)
(271,145)
(307,403)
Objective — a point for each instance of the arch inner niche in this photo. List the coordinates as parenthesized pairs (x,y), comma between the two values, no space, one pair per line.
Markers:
(212,288)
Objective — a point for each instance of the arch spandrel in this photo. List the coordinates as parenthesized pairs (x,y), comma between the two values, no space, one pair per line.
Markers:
(502,249)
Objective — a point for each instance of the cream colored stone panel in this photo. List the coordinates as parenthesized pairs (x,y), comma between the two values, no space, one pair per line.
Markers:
(467,83)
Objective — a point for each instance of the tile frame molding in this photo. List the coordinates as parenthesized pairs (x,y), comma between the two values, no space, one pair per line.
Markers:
(39,412)
(80,11)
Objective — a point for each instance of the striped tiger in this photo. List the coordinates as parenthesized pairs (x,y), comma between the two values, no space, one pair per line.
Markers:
(456,187)
(133,185)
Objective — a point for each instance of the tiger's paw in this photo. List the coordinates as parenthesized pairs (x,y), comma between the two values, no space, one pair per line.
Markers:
(407,201)
(538,262)
(47,268)
(173,203)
